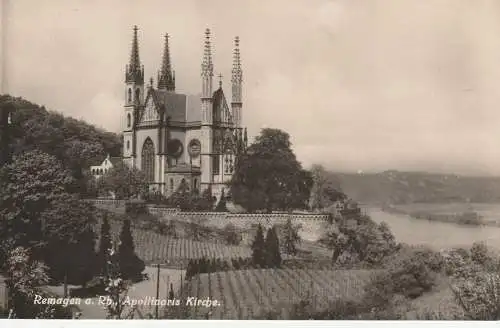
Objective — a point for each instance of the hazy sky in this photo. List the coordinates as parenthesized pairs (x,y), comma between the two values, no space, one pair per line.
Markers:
(359,84)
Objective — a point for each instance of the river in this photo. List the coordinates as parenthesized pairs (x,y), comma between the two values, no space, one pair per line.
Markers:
(437,235)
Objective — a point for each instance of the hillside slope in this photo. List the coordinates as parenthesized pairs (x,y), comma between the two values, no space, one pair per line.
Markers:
(408,187)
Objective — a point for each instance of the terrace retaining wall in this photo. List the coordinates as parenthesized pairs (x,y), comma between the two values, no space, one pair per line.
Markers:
(312,224)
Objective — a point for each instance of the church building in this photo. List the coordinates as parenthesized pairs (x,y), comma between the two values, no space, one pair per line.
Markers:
(177,138)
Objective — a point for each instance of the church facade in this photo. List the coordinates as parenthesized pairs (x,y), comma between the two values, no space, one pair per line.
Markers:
(176,138)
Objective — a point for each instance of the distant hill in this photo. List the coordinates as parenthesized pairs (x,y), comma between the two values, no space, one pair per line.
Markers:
(408,187)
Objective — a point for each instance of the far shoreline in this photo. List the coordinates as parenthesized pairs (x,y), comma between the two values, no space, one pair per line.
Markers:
(466,217)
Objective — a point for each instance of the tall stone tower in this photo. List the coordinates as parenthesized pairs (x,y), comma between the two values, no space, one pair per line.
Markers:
(206,135)
(236,84)
(134,96)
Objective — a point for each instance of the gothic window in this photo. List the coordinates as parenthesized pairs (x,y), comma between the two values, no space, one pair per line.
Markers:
(137,95)
(128,144)
(129,95)
(231,166)
(215,164)
(226,165)
(100,171)
(171,184)
(148,160)
(129,120)
(195,186)
(93,171)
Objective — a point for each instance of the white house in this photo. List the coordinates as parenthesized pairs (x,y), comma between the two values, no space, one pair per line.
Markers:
(99,170)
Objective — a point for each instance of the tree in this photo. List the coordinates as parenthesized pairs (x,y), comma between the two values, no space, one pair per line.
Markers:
(258,250)
(117,288)
(38,212)
(131,266)
(73,142)
(104,245)
(290,237)
(231,235)
(325,189)
(269,177)
(171,294)
(221,206)
(272,249)
(124,181)
(359,239)
(31,184)
(26,276)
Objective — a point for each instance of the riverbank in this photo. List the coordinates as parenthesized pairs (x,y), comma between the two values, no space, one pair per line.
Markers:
(461,214)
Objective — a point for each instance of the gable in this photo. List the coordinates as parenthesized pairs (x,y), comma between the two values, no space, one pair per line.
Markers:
(221,111)
(151,112)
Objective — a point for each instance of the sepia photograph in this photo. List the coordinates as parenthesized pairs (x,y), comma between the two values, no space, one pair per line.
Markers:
(250,160)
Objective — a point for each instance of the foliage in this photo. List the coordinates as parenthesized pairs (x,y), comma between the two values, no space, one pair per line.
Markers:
(475,281)
(204,265)
(357,238)
(131,266)
(221,205)
(231,235)
(74,143)
(325,190)
(104,246)
(272,249)
(290,237)
(25,279)
(123,181)
(135,208)
(187,200)
(117,288)
(70,240)
(38,211)
(409,273)
(478,295)
(258,248)
(269,177)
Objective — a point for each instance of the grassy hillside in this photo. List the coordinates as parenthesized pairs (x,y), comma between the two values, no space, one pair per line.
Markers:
(409,187)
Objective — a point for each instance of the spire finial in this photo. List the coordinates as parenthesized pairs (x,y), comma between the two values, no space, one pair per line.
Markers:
(166,78)
(134,68)
(220,80)
(151,82)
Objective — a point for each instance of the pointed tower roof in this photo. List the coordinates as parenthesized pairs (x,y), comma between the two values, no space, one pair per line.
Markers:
(237,72)
(207,67)
(166,77)
(134,70)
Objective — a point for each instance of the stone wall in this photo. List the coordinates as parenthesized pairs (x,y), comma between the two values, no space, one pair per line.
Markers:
(312,224)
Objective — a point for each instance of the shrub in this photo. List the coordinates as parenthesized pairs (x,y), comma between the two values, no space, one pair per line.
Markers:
(410,273)
(231,236)
(478,295)
(131,266)
(136,207)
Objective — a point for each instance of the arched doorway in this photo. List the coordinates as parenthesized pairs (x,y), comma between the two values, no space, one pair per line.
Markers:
(148,160)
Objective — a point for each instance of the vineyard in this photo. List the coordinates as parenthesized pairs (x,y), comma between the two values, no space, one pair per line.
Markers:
(248,294)
(151,247)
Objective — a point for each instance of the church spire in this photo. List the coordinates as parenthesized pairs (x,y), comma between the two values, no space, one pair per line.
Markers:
(236,84)
(207,67)
(134,70)
(237,72)
(166,77)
